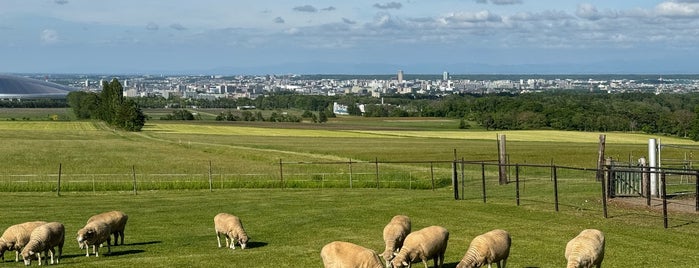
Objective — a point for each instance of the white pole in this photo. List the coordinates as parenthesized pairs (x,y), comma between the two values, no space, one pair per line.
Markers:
(652,164)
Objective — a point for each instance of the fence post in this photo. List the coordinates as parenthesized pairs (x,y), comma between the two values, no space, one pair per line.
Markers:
(463,181)
(281,174)
(377,172)
(696,192)
(502,159)
(646,179)
(211,186)
(432,174)
(517,182)
(58,185)
(455,180)
(604,196)
(555,186)
(600,157)
(133,171)
(664,192)
(483,179)
(350,172)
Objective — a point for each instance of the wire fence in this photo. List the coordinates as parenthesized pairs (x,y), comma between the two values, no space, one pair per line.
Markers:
(525,184)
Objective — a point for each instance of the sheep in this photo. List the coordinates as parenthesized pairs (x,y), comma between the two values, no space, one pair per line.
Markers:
(45,238)
(427,243)
(393,235)
(232,228)
(16,236)
(340,254)
(488,248)
(117,223)
(586,249)
(94,234)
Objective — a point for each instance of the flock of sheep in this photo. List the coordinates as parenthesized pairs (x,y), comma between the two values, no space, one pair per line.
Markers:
(404,247)
(31,239)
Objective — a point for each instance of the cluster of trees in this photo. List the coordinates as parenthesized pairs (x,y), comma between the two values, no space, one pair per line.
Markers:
(274,117)
(109,106)
(180,114)
(34,103)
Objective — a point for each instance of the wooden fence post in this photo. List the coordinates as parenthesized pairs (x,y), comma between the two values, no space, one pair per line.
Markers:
(517,182)
(211,182)
(600,157)
(555,185)
(502,159)
(350,172)
(58,185)
(281,173)
(377,172)
(483,179)
(133,171)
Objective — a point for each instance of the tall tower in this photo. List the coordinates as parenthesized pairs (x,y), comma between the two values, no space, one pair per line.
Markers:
(445,76)
(400,76)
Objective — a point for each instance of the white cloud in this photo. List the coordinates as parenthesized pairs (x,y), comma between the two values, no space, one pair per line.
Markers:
(678,9)
(152,26)
(49,36)
(306,8)
(389,5)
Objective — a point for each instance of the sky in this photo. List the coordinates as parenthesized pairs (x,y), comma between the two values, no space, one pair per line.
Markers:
(349,36)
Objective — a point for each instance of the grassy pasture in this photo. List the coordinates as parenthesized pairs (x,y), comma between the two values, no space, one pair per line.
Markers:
(288,227)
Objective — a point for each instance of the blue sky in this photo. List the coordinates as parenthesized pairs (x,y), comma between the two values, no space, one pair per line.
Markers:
(351,37)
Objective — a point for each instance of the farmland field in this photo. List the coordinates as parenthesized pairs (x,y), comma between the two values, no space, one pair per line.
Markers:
(173,225)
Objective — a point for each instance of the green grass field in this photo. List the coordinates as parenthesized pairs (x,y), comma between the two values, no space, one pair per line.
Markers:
(170,225)
(288,227)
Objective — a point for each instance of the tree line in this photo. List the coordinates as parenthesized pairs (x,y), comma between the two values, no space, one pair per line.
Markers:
(109,106)
(666,114)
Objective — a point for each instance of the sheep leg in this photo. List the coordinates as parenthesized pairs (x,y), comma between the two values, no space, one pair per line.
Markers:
(51,250)
(16,256)
(218,238)
(109,249)
(87,251)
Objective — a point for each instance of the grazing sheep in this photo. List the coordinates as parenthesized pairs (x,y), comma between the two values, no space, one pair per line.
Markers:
(16,236)
(427,243)
(117,223)
(586,249)
(340,254)
(232,228)
(45,238)
(94,234)
(393,235)
(491,247)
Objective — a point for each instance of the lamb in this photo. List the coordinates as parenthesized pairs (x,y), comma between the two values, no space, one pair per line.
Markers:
(94,234)
(16,236)
(393,235)
(488,248)
(45,238)
(340,254)
(117,223)
(232,228)
(585,250)
(427,243)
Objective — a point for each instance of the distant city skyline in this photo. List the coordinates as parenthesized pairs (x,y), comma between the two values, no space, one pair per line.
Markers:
(350,37)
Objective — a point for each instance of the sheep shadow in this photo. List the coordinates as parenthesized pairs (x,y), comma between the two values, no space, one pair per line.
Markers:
(141,243)
(252,244)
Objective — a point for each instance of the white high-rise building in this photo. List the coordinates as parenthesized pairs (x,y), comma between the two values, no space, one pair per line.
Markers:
(400,76)
(445,76)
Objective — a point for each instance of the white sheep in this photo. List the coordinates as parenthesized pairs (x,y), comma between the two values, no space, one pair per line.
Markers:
(488,248)
(117,223)
(232,228)
(393,235)
(94,234)
(16,236)
(585,250)
(427,243)
(340,254)
(44,239)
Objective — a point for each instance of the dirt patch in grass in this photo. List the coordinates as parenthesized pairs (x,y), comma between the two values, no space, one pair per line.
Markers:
(682,204)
